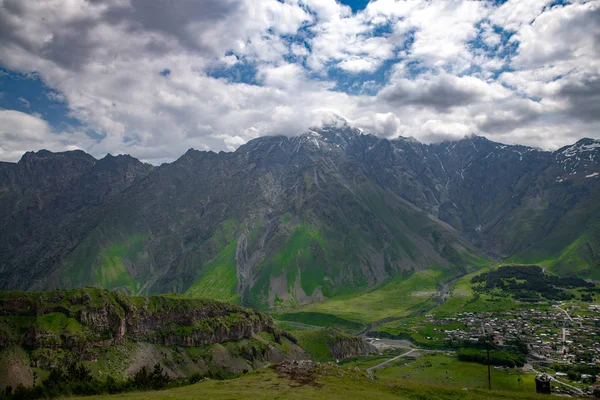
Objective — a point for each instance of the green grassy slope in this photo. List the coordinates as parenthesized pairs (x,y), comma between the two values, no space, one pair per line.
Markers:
(400,297)
(448,370)
(324,382)
(331,236)
(570,245)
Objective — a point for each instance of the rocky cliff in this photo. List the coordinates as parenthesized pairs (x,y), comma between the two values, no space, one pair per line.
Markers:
(96,317)
(117,334)
(345,346)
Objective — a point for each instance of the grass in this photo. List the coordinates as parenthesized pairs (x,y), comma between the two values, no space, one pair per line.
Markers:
(315,343)
(111,271)
(371,360)
(320,319)
(300,253)
(448,370)
(571,248)
(397,298)
(579,258)
(463,299)
(59,323)
(330,383)
(218,280)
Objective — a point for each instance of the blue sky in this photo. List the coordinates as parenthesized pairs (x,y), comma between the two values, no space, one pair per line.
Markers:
(154,81)
(356,5)
(25,92)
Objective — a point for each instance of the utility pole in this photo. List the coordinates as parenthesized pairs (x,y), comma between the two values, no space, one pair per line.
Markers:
(487,347)
(489,368)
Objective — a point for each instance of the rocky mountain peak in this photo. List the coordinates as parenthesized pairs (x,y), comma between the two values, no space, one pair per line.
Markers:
(583,147)
(290,218)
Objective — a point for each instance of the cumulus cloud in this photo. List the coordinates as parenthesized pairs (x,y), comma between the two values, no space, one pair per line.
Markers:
(20,132)
(280,64)
(442,92)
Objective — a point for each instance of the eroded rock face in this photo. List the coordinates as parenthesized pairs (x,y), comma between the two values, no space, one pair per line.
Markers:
(350,347)
(96,318)
(184,335)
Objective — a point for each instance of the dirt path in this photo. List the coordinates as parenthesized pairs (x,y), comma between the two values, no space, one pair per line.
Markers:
(300,325)
(383,364)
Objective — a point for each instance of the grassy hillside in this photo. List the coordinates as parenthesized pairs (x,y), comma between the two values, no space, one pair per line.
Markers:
(571,246)
(115,335)
(318,382)
(401,297)
(443,369)
(331,344)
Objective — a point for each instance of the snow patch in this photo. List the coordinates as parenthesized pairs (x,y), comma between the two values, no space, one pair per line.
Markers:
(593,175)
(575,149)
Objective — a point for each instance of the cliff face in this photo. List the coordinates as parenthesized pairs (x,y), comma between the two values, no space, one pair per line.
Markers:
(115,334)
(95,318)
(350,346)
(332,344)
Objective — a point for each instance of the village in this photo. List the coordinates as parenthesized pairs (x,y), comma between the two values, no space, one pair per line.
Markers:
(561,334)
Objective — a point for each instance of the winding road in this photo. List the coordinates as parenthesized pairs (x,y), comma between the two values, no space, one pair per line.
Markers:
(568,316)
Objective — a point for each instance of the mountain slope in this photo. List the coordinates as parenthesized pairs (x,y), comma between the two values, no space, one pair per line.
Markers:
(511,201)
(277,223)
(284,221)
(45,200)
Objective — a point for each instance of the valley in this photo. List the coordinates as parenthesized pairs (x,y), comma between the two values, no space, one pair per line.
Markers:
(389,262)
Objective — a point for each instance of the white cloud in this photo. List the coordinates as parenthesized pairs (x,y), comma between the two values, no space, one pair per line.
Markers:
(20,132)
(569,35)
(282,76)
(514,14)
(442,31)
(386,125)
(104,60)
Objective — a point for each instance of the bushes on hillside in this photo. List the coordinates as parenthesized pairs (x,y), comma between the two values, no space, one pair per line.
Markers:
(76,379)
(499,358)
(532,282)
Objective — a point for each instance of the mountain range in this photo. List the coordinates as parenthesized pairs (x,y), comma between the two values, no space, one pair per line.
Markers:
(284,221)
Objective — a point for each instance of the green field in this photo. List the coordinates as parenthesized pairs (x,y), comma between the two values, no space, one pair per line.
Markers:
(326,382)
(397,298)
(448,370)
(320,320)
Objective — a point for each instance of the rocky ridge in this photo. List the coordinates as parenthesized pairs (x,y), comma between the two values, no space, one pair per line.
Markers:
(94,318)
(284,221)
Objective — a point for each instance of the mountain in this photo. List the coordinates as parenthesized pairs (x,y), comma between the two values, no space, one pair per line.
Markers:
(45,202)
(289,220)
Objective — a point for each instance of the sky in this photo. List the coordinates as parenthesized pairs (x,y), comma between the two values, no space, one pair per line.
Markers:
(155,78)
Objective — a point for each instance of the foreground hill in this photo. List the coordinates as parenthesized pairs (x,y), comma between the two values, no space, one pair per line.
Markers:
(318,381)
(284,221)
(115,335)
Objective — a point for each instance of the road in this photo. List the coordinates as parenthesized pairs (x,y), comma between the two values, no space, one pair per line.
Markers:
(300,325)
(390,360)
(568,316)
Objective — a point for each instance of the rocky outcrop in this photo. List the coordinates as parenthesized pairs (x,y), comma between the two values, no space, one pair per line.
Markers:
(96,318)
(351,347)
(346,346)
